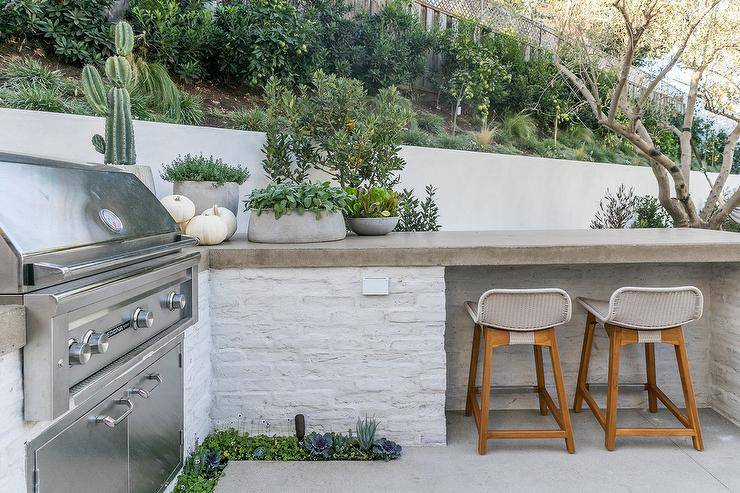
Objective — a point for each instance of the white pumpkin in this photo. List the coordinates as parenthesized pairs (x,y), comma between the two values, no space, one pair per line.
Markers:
(226,216)
(184,225)
(180,207)
(210,230)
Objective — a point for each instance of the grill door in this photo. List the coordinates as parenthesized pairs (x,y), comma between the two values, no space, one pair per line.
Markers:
(156,423)
(89,456)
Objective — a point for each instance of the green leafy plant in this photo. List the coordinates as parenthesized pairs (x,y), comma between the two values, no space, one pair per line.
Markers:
(365,429)
(520,128)
(177,34)
(201,168)
(77,31)
(418,215)
(118,144)
(429,122)
(319,445)
(650,214)
(333,127)
(280,198)
(393,46)
(260,39)
(373,202)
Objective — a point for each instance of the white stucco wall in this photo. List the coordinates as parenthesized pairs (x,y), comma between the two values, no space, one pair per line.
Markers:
(476,191)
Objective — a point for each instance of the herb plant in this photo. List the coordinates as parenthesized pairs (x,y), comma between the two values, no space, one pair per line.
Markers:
(373,202)
(201,168)
(281,198)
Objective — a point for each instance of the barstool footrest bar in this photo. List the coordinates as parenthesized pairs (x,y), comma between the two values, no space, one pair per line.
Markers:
(655,432)
(504,434)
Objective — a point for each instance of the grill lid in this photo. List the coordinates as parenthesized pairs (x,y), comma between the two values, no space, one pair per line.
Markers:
(59,220)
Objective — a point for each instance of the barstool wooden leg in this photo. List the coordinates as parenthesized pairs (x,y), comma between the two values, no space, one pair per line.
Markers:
(615,345)
(651,383)
(588,339)
(540,371)
(473,370)
(688,391)
(562,399)
(485,391)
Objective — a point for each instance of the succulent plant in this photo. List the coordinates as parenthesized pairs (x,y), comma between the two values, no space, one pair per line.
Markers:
(208,464)
(386,449)
(318,445)
(118,144)
(366,432)
(259,453)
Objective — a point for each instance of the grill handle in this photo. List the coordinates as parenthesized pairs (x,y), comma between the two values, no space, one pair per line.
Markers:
(112,422)
(46,273)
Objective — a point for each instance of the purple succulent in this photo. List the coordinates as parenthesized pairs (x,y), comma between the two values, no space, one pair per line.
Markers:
(318,445)
(386,449)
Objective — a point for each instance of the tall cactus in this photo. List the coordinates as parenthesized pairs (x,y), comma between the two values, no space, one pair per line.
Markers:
(118,144)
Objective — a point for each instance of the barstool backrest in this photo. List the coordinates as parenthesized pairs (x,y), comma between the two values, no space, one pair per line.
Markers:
(655,308)
(524,309)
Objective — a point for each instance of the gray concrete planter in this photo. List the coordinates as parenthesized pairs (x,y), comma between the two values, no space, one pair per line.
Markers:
(372,226)
(295,228)
(205,194)
(141,171)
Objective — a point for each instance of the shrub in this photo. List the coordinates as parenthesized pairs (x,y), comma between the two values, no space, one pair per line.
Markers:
(333,127)
(615,209)
(18,16)
(283,197)
(201,168)
(77,31)
(260,39)
(176,34)
(650,214)
(417,215)
(373,202)
(392,46)
(254,119)
(334,41)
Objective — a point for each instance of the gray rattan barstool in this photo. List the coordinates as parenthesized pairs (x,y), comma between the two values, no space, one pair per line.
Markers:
(642,316)
(518,316)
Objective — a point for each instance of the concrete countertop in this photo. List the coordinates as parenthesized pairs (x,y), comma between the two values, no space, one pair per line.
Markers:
(458,248)
(12,328)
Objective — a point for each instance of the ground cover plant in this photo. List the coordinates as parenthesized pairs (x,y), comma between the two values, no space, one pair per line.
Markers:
(206,463)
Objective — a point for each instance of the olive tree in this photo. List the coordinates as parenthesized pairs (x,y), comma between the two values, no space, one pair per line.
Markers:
(699,36)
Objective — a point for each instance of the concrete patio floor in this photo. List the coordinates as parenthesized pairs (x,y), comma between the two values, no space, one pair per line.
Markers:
(639,464)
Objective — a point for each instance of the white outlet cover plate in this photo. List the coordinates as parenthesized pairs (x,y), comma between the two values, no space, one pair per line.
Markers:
(375,286)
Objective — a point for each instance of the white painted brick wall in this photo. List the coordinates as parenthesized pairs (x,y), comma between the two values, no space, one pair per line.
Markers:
(197,370)
(514,365)
(15,432)
(290,341)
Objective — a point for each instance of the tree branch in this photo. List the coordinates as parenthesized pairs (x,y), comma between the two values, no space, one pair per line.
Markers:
(732,203)
(728,155)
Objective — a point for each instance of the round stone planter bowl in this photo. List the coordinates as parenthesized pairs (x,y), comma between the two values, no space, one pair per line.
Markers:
(372,226)
(205,194)
(293,227)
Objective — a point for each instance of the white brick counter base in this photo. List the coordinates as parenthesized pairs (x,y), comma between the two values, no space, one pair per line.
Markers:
(305,340)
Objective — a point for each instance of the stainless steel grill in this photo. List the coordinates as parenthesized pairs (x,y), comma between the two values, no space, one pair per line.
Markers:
(99,265)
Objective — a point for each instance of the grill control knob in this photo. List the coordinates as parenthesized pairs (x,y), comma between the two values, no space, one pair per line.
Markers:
(176,301)
(142,319)
(79,352)
(98,342)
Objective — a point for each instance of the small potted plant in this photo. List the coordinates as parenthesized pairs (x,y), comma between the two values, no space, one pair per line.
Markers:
(206,181)
(114,102)
(372,211)
(296,213)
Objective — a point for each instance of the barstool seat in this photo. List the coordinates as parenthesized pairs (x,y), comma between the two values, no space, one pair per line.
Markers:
(518,316)
(638,315)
